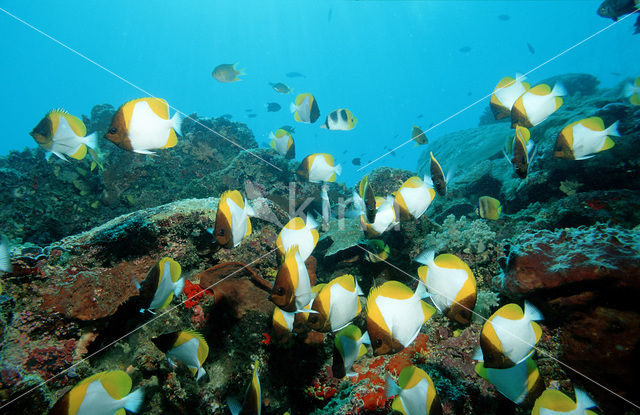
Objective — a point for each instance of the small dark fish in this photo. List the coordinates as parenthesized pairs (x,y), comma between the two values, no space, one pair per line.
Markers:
(465,49)
(613,9)
(616,73)
(520,158)
(227,116)
(248,110)
(531,49)
(252,115)
(504,17)
(280,87)
(419,116)
(468,94)
(329,15)
(273,107)
(265,144)
(295,75)
(288,128)
(393,153)
(437,176)
(356,161)
(345,152)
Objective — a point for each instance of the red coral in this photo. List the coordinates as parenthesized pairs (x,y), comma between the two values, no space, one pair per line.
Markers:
(194,294)
(597,204)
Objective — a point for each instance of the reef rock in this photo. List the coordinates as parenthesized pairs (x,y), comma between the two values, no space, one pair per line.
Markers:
(585,280)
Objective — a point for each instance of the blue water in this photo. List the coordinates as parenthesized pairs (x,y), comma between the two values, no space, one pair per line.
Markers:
(387,61)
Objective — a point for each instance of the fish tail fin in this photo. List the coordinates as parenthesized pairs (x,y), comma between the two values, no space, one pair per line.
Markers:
(426,257)
(358,289)
(91,140)
(390,387)
(477,354)
(452,172)
(629,89)
(558,90)
(248,209)
(338,169)
(234,405)
(176,123)
(613,129)
(365,338)
(136,283)
(421,291)
(201,373)
(178,287)
(520,77)
(428,180)
(531,312)
(583,400)
(311,222)
(293,107)
(133,401)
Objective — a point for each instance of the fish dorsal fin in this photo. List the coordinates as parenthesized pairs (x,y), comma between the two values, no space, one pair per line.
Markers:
(237,198)
(159,106)
(422,273)
(450,261)
(347,281)
(608,143)
(523,133)
(295,224)
(413,182)
(175,268)
(116,382)
(593,123)
(556,401)
(507,81)
(542,89)
(364,183)
(526,86)
(328,159)
(510,311)
(301,97)
(395,290)
(410,376)
(427,310)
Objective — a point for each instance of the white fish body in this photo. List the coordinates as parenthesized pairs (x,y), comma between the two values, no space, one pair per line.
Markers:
(511,382)
(404,318)
(187,353)
(281,144)
(385,216)
(351,349)
(539,107)
(414,400)
(444,284)
(587,142)
(304,110)
(517,336)
(5,257)
(239,218)
(66,142)
(320,170)
(165,287)
(583,402)
(301,237)
(419,198)
(303,292)
(508,95)
(148,131)
(343,307)
(97,401)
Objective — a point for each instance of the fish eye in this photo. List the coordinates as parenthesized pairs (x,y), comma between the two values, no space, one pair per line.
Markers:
(377,343)
(221,232)
(280,291)
(113,130)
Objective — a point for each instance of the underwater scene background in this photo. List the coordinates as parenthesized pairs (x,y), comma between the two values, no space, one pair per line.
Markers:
(336,207)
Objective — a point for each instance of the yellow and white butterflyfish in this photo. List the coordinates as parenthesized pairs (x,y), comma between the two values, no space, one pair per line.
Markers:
(385,218)
(319,167)
(282,142)
(252,404)
(438,179)
(62,134)
(161,284)
(450,283)
(509,336)
(395,315)
(632,91)
(536,105)
(143,124)
(292,288)
(305,108)
(414,197)
(521,384)
(232,219)
(583,139)
(554,402)
(296,232)
(417,395)
(105,393)
(337,304)
(505,95)
(186,347)
(348,346)
(340,119)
